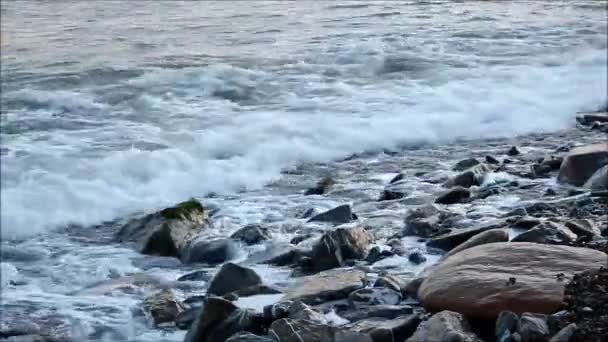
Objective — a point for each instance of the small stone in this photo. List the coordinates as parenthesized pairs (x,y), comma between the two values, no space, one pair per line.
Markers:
(533,327)
(374,296)
(513,151)
(565,334)
(252,234)
(417,258)
(337,215)
(162,307)
(457,194)
(506,322)
(210,252)
(232,277)
(492,160)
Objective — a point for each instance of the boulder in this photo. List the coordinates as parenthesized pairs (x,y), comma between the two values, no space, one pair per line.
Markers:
(337,215)
(374,296)
(339,245)
(162,307)
(533,328)
(506,324)
(589,118)
(488,236)
(425,221)
(513,151)
(465,164)
(457,194)
(232,277)
(376,311)
(249,337)
(444,326)
(185,318)
(252,234)
(582,162)
(492,160)
(326,286)
(484,280)
(209,252)
(547,232)
(299,330)
(166,232)
(452,239)
(416,257)
(322,187)
(470,177)
(390,281)
(397,178)
(599,180)
(391,194)
(583,227)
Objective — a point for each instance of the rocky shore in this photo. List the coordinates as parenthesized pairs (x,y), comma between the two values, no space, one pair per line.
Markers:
(436,255)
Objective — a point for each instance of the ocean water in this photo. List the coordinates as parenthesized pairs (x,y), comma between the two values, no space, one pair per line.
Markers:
(111,108)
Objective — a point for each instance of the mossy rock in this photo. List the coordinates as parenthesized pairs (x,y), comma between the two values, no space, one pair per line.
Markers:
(183,209)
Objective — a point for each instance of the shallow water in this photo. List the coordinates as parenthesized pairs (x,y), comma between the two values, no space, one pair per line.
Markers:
(110,108)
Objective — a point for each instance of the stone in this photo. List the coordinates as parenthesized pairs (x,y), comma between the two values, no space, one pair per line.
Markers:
(337,215)
(416,258)
(488,236)
(339,245)
(210,252)
(249,337)
(322,187)
(583,227)
(397,178)
(589,118)
(533,328)
(390,195)
(513,151)
(398,329)
(377,311)
(299,238)
(252,234)
(374,296)
(221,319)
(390,281)
(326,286)
(376,254)
(465,164)
(565,334)
(166,232)
(524,222)
(599,180)
(492,160)
(470,177)
(195,276)
(290,257)
(162,307)
(506,323)
(444,326)
(299,330)
(582,162)
(457,194)
(452,239)
(425,221)
(547,232)
(185,318)
(484,280)
(232,277)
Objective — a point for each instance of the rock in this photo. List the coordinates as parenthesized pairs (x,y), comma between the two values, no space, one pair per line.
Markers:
(326,286)
(589,118)
(339,245)
(291,257)
(484,280)
(565,334)
(186,317)
(550,192)
(506,324)
(14,327)
(547,232)
(458,236)
(425,221)
(298,330)
(397,178)
(376,311)
(457,194)
(390,195)
(210,252)
(582,162)
(492,160)
(232,277)
(166,232)
(465,164)
(416,258)
(337,215)
(488,236)
(221,319)
(533,328)
(376,254)
(374,296)
(252,234)
(249,337)
(599,180)
(557,320)
(322,187)
(583,227)
(162,307)
(470,177)
(390,281)
(444,326)
(195,276)
(513,151)
(525,222)
(397,329)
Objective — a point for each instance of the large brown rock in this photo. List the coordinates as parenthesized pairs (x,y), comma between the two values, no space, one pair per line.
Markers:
(582,162)
(484,280)
(339,245)
(326,286)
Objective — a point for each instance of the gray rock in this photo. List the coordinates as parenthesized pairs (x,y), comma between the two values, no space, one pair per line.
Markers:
(582,162)
(416,258)
(339,245)
(390,281)
(492,160)
(210,252)
(444,326)
(398,329)
(425,221)
(376,254)
(162,307)
(374,296)
(195,276)
(337,215)
(470,177)
(599,180)
(488,236)
(378,311)
(513,151)
(326,286)
(457,194)
(458,236)
(565,334)
(583,227)
(298,330)
(252,234)
(465,164)
(533,328)
(322,187)
(256,290)
(547,232)
(506,323)
(185,318)
(249,337)
(232,277)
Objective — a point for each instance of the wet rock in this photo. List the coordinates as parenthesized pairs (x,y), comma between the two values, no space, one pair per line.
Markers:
(376,254)
(513,151)
(416,258)
(185,318)
(508,276)
(326,286)
(299,238)
(489,236)
(458,236)
(444,326)
(457,194)
(390,281)
(232,277)
(547,232)
(195,276)
(210,252)
(426,221)
(540,209)
(565,334)
(390,195)
(557,320)
(465,164)
(470,177)
(14,327)
(550,192)
(582,162)
(309,213)
(339,245)
(583,227)
(398,329)
(525,222)
(297,330)
(162,307)
(397,178)
(337,215)
(506,324)
(492,160)
(166,232)
(588,119)
(517,212)
(378,311)
(221,319)
(374,296)
(599,180)
(533,328)
(249,337)
(322,187)
(232,297)
(252,234)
